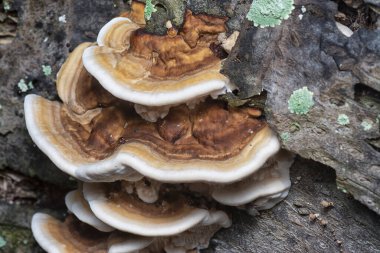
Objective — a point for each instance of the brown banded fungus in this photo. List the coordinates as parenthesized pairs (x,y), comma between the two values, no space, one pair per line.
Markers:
(109,200)
(263,189)
(170,215)
(77,88)
(136,14)
(211,142)
(159,71)
(137,124)
(73,236)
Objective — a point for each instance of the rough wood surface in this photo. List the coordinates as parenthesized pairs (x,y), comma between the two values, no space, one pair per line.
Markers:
(287,227)
(344,75)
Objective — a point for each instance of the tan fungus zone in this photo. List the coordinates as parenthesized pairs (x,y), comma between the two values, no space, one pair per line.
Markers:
(77,88)
(168,208)
(134,72)
(266,174)
(79,197)
(75,236)
(164,63)
(209,132)
(201,25)
(119,35)
(136,14)
(179,55)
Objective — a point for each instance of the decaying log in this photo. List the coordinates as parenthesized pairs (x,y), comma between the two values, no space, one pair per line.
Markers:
(343,72)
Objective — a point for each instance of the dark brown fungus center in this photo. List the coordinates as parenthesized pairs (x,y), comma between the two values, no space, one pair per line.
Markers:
(209,131)
(193,49)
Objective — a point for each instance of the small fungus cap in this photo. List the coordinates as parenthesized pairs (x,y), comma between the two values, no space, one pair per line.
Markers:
(154,70)
(77,88)
(171,215)
(77,205)
(70,236)
(268,182)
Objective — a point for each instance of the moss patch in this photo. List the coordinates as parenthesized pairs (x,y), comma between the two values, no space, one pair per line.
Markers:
(17,239)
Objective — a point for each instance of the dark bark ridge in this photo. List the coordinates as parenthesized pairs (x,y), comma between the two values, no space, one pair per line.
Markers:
(344,75)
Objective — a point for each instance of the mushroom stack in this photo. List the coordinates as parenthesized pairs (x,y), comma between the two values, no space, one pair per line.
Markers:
(156,153)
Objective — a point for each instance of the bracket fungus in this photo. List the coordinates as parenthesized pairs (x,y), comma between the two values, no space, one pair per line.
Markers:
(165,228)
(157,71)
(170,215)
(209,143)
(264,186)
(77,88)
(77,205)
(73,236)
(138,125)
(55,236)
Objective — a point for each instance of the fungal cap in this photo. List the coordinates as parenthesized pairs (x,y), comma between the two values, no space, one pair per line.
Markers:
(127,243)
(116,34)
(242,149)
(57,237)
(132,66)
(76,204)
(130,214)
(77,88)
(271,179)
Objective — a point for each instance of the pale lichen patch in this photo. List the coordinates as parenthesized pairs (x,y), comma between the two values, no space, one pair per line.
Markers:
(23,86)
(46,69)
(343,119)
(300,101)
(366,124)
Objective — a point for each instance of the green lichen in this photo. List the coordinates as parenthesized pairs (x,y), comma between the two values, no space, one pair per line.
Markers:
(23,87)
(17,239)
(2,242)
(343,119)
(149,9)
(300,101)
(30,85)
(366,125)
(6,6)
(46,69)
(265,13)
(285,136)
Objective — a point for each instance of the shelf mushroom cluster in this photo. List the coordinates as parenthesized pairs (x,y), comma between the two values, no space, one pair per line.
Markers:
(156,154)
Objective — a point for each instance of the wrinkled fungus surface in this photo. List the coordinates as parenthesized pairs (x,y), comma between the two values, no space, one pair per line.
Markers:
(159,154)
